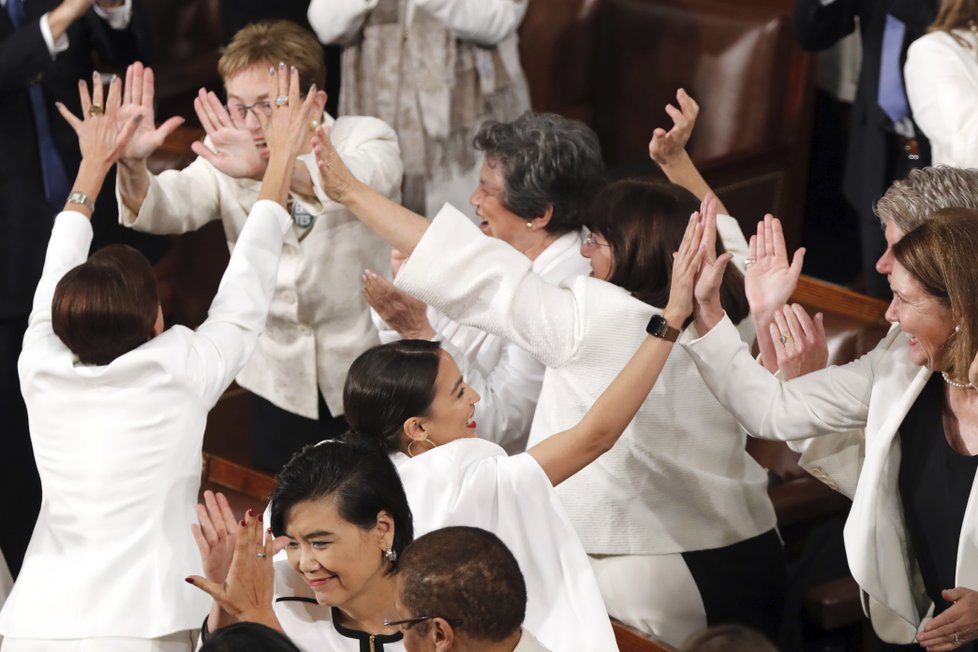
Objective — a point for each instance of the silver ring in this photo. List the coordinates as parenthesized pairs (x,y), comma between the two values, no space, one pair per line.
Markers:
(784,338)
(956,638)
(260,555)
(281,100)
(750,261)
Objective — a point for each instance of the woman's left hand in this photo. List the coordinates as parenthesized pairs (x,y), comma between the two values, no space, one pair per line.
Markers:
(402,312)
(292,119)
(247,592)
(100,138)
(955,626)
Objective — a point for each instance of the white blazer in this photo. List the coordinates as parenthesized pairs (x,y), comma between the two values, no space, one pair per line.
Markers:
(874,392)
(679,478)
(118,452)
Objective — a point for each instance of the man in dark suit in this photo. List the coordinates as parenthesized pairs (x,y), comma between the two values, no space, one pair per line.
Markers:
(881,149)
(46,47)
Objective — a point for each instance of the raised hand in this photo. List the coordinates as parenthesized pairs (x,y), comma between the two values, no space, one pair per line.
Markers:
(292,118)
(666,147)
(246,593)
(337,180)
(232,149)
(137,99)
(955,626)
(401,311)
(101,137)
(799,341)
(769,279)
(685,264)
(215,535)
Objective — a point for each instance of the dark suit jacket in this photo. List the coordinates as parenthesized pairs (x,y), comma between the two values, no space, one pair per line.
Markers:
(818,27)
(25,217)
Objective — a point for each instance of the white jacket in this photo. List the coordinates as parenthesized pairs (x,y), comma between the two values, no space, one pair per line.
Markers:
(679,478)
(118,452)
(319,322)
(874,392)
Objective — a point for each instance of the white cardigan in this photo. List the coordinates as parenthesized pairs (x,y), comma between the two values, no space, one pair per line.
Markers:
(875,392)
(679,478)
(506,377)
(319,322)
(942,87)
(118,452)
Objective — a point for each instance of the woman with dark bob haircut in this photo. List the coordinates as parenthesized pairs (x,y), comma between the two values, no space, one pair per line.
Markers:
(410,398)
(117,407)
(341,514)
(671,511)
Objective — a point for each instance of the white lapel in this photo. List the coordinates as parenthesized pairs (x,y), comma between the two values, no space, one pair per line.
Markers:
(967,574)
(875,534)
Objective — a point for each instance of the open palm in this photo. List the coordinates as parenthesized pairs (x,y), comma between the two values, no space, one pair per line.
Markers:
(137,99)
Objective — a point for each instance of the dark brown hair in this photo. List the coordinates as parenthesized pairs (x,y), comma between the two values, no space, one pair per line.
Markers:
(956,14)
(644,222)
(466,576)
(107,306)
(940,255)
(728,638)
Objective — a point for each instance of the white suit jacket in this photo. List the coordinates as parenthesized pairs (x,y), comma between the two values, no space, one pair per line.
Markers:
(679,478)
(319,322)
(118,452)
(942,88)
(874,392)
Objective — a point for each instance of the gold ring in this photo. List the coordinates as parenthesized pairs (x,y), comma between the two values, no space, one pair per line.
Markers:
(313,125)
(96,109)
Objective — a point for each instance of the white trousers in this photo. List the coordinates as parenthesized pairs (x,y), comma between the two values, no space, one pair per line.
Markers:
(652,593)
(178,642)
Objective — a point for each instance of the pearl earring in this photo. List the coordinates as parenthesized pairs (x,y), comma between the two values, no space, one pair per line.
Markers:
(529,226)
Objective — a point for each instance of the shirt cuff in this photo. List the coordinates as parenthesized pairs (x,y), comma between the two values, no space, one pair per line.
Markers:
(117,17)
(54,47)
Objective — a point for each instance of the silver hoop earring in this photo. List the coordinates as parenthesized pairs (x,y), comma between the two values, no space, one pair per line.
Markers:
(390,555)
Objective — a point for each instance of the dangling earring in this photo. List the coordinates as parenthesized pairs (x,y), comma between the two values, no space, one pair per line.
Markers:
(529,226)
(390,555)
(427,441)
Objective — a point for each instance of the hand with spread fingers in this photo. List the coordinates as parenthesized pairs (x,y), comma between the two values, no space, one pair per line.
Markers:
(402,312)
(687,263)
(666,147)
(246,594)
(101,138)
(799,341)
(955,626)
(137,100)
(232,149)
(288,126)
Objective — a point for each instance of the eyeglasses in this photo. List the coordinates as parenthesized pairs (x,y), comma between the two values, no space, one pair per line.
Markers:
(592,241)
(408,623)
(242,109)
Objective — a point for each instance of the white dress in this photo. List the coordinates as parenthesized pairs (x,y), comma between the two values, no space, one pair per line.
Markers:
(506,377)
(118,449)
(942,87)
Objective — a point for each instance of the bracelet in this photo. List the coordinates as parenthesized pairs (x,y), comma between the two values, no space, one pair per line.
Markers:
(80,198)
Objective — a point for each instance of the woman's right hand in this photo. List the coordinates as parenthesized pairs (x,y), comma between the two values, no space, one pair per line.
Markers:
(666,147)
(769,281)
(799,341)
(101,138)
(337,181)
(287,129)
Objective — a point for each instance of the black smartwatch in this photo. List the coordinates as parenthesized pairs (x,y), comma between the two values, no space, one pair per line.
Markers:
(659,327)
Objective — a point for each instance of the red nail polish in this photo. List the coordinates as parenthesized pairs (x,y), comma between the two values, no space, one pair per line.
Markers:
(242,523)
(188,580)
(251,513)
(261,517)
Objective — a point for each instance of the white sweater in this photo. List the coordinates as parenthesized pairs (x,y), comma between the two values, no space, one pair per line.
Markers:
(679,478)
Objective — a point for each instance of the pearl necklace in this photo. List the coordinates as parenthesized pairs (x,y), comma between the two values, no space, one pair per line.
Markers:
(950,382)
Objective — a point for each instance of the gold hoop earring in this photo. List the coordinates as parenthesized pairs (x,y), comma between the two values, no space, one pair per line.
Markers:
(427,441)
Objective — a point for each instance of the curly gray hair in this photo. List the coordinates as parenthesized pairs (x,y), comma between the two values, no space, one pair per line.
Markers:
(909,202)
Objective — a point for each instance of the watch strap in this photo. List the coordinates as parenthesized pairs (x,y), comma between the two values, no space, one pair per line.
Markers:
(80,198)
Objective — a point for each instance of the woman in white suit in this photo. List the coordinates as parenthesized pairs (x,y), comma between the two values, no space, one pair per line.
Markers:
(912,534)
(117,407)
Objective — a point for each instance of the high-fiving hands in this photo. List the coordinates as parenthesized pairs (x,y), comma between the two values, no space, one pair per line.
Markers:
(137,99)
(232,148)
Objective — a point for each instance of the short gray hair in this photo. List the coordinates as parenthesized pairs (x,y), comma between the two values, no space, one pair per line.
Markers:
(547,160)
(909,202)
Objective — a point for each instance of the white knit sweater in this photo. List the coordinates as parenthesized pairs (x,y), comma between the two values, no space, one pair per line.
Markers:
(679,479)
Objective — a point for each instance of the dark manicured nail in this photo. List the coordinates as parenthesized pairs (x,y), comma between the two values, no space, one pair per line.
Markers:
(251,513)
(188,580)
(261,517)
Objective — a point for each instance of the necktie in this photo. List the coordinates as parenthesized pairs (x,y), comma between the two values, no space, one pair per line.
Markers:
(891,97)
(56,185)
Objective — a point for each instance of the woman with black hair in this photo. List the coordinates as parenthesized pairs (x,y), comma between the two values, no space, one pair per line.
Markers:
(340,513)
(676,516)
